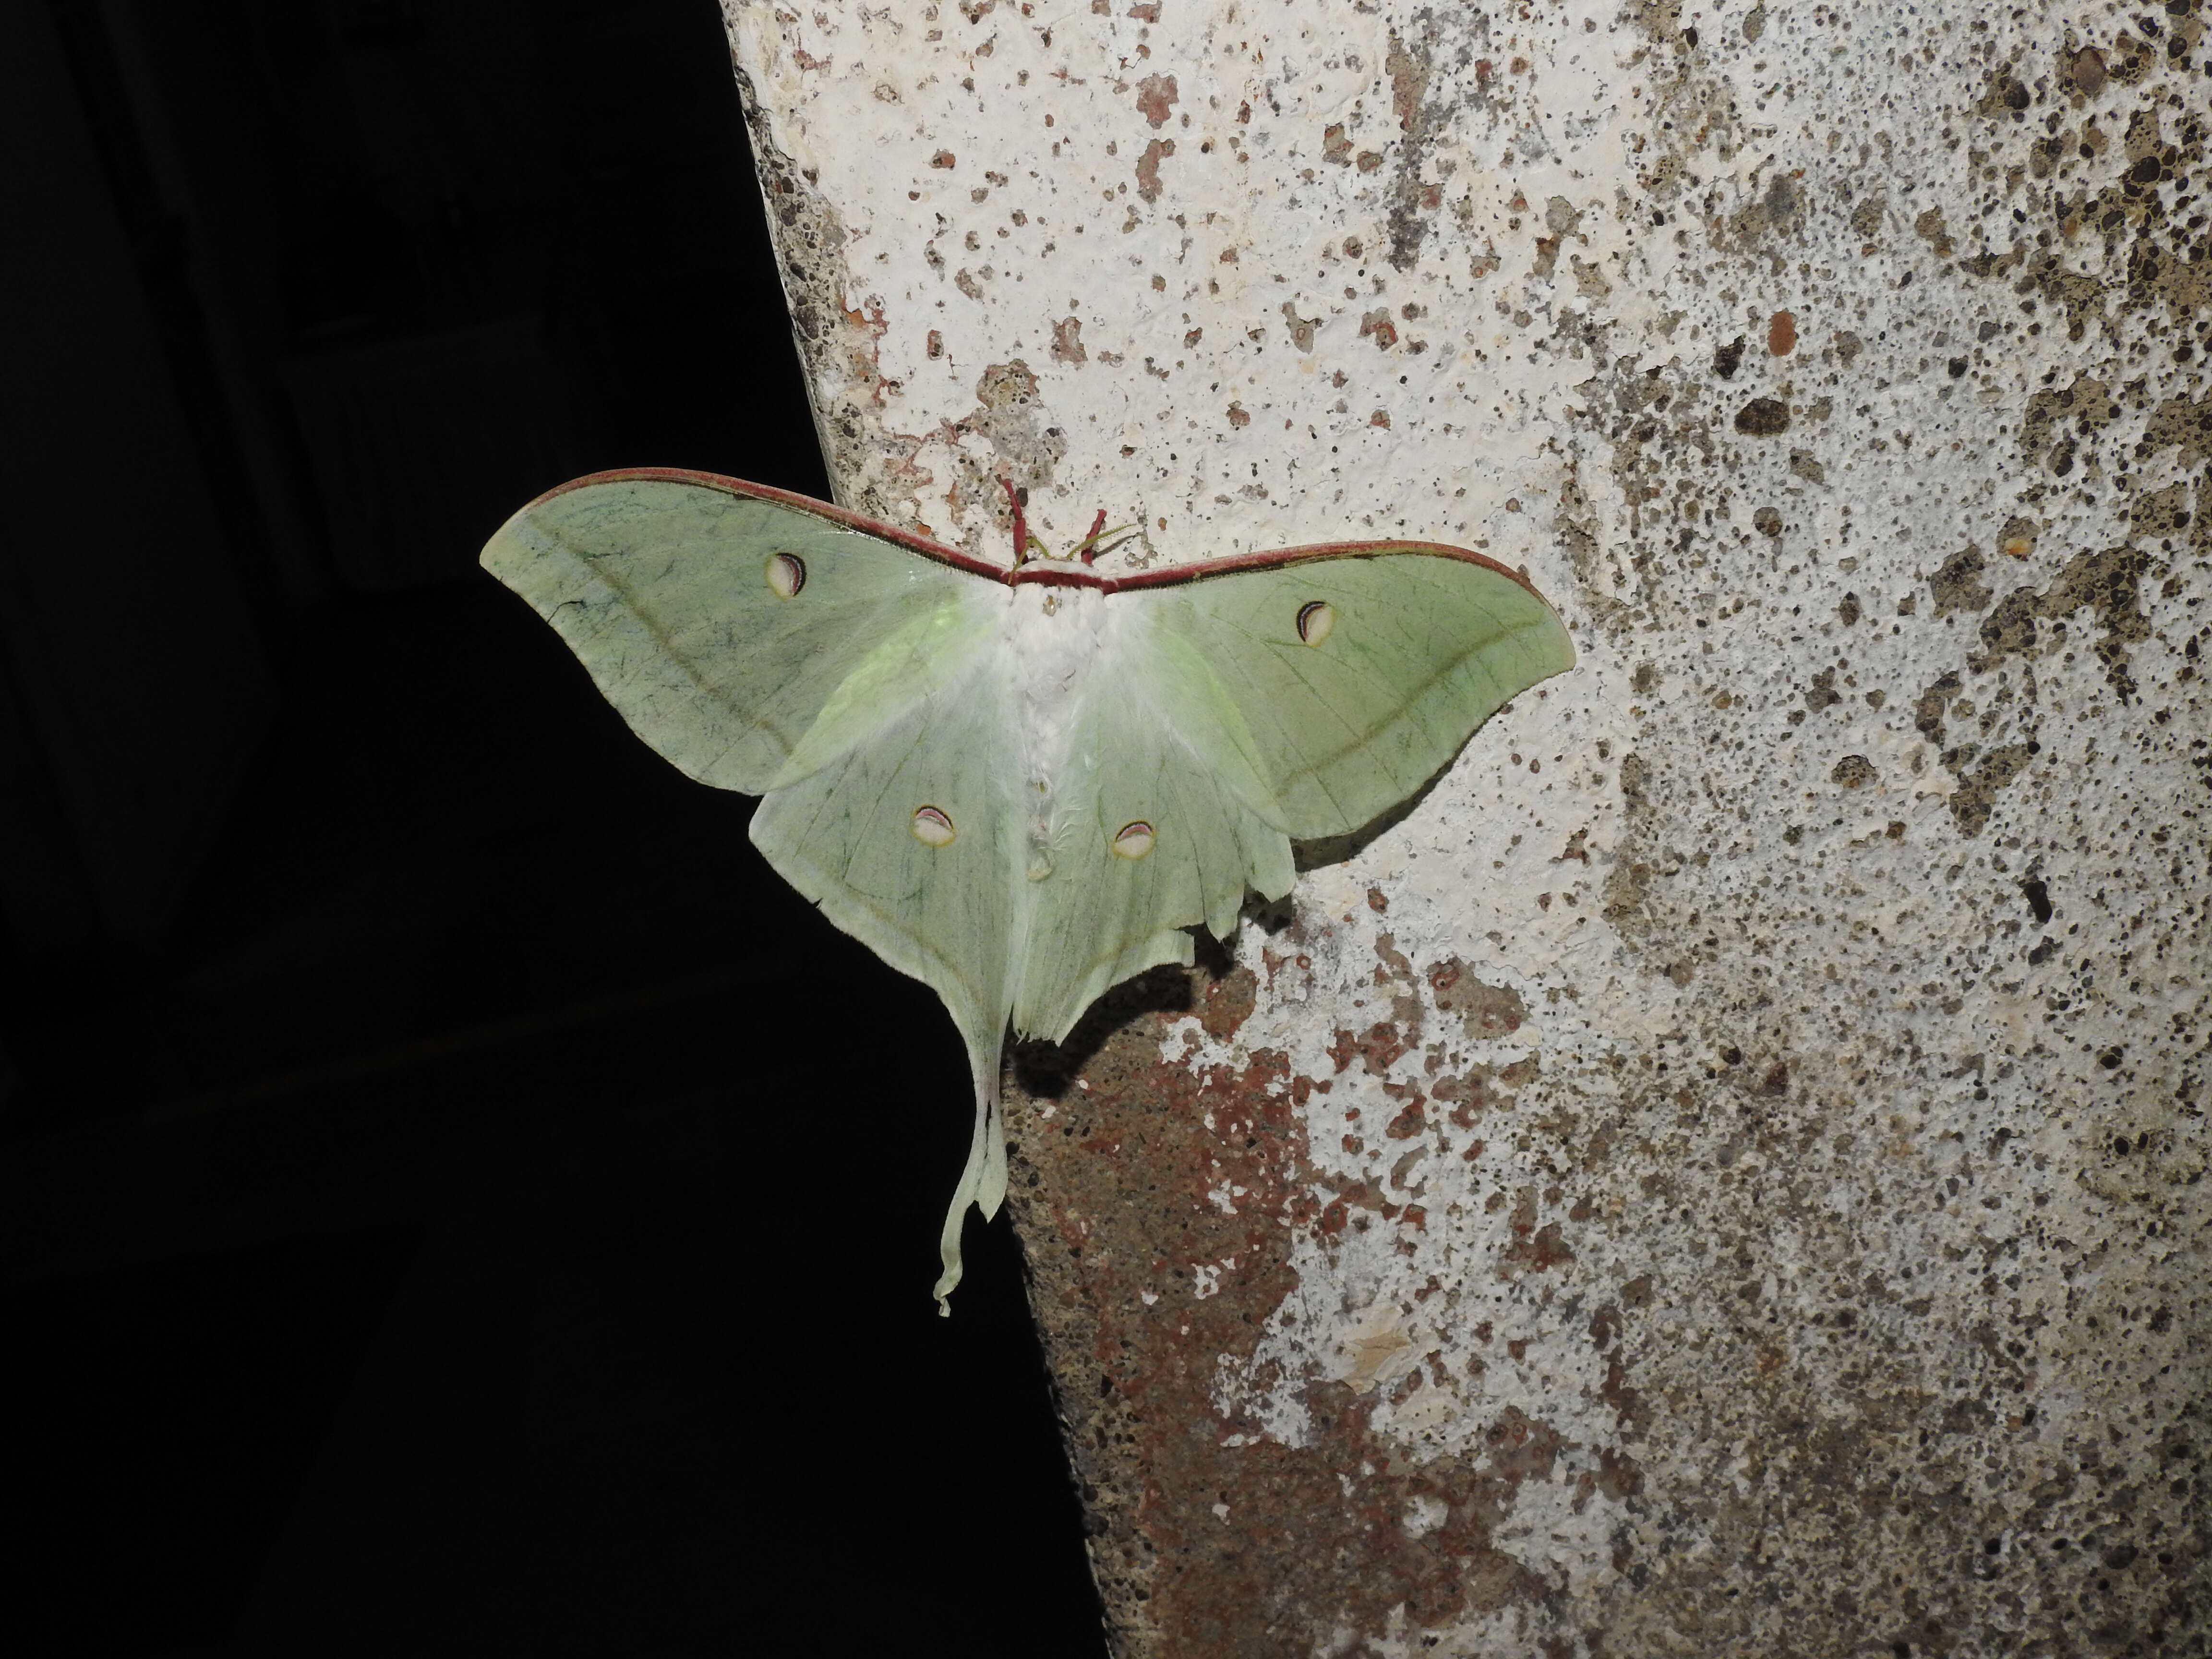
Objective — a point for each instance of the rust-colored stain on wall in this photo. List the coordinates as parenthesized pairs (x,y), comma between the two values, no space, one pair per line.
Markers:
(1213,1538)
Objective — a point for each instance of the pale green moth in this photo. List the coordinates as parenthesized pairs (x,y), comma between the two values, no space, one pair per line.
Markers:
(1021,783)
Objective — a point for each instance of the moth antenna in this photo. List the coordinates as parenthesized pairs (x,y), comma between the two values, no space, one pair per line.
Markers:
(1021,523)
(1089,549)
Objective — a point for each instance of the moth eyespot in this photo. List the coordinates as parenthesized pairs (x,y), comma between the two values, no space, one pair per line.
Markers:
(931,828)
(786,575)
(1132,840)
(1316,618)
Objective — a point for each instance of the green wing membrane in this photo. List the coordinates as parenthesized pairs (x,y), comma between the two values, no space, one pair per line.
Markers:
(844,837)
(760,646)
(1019,797)
(1421,647)
(1210,720)
(1098,916)
(661,588)
(843,834)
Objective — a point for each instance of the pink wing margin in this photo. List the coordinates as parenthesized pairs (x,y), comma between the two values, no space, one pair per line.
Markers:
(1040,572)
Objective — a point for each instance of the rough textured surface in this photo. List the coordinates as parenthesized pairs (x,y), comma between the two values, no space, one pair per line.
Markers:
(1720,1172)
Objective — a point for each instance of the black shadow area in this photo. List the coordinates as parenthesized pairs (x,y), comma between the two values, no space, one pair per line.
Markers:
(453,1198)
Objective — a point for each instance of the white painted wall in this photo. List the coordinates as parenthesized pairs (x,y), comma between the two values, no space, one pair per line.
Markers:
(1839,374)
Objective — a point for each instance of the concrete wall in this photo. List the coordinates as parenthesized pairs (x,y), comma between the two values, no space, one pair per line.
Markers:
(1720,1173)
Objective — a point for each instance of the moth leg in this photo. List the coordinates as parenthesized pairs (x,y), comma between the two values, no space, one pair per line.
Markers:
(1021,522)
(1103,540)
(1089,549)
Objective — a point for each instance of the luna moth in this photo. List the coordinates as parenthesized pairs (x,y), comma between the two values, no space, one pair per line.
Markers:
(1022,783)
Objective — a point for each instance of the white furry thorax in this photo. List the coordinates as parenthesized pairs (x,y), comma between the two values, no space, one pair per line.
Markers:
(1055,638)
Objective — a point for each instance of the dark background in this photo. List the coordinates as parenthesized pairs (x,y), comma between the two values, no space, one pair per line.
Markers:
(452,1197)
